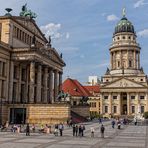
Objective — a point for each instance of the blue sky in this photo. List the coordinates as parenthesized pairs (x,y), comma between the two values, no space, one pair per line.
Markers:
(82,30)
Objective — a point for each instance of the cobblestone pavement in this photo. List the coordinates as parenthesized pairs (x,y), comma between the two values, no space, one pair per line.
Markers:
(128,137)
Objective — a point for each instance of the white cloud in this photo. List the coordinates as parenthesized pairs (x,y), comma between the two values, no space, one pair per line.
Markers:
(139,3)
(143,33)
(52,30)
(112,17)
(67,35)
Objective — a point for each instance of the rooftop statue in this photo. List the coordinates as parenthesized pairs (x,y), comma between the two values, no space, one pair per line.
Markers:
(27,13)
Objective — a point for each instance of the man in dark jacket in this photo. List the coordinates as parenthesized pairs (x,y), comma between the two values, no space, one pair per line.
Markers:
(27,130)
(102,131)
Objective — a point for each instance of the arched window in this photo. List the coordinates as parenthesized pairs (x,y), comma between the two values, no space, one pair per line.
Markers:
(118,63)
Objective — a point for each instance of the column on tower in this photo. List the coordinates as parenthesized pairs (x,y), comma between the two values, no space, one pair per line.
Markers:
(111,60)
(135,60)
(32,81)
(127,59)
(138,60)
(121,66)
(51,98)
(39,80)
(114,60)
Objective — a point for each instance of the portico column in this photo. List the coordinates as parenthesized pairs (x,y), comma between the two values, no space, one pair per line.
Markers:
(11,80)
(51,86)
(110,103)
(39,79)
(45,84)
(19,84)
(138,102)
(101,103)
(119,106)
(128,104)
(32,81)
(55,84)
(60,81)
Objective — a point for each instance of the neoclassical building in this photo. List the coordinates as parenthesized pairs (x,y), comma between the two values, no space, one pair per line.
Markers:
(124,88)
(30,72)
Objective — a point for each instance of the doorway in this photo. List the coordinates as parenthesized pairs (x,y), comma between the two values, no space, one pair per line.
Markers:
(124,103)
(17,115)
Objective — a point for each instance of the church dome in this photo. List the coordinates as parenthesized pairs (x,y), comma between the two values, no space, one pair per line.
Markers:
(124,25)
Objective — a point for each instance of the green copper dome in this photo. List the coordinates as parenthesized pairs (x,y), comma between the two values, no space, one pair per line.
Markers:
(124,25)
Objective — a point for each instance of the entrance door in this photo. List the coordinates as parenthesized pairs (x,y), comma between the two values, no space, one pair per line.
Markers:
(125,109)
(17,115)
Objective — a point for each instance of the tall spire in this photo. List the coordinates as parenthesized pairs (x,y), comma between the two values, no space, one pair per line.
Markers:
(123,12)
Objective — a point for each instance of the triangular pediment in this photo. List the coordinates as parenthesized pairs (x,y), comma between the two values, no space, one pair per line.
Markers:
(30,25)
(123,83)
(56,57)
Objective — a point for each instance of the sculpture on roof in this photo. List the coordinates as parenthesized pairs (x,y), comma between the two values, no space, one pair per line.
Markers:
(27,13)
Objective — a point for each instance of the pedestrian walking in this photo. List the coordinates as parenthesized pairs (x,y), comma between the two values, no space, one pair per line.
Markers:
(82,130)
(119,124)
(102,129)
(113,123)
(74,129)
(92,131)
(61,128)
(135,121)
(27,130)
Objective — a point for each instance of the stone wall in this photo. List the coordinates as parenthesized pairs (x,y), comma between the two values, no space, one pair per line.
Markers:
(48,113)
(81,110)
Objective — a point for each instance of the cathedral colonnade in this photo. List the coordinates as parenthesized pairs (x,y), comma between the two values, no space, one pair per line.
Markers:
(124,103)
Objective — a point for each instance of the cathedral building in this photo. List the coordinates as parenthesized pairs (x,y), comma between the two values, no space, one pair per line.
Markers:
(124,88)
(30,72)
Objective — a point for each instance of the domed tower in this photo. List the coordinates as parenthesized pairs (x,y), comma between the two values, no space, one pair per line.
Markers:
(124,51)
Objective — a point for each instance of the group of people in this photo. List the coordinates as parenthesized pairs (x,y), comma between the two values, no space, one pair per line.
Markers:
(59,129)
(119,122)
(78,130)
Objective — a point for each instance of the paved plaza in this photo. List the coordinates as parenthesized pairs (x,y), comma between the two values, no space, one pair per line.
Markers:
(128,137)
